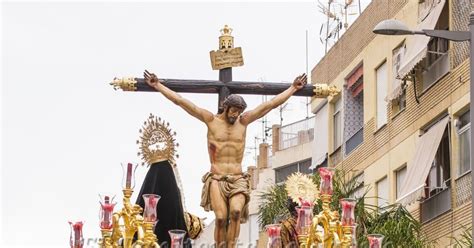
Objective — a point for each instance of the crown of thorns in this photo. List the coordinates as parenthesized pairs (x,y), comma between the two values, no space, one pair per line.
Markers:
(235,101)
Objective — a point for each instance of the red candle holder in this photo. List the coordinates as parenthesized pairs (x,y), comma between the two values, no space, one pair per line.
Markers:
(151,201)
(76,240)
(305,203)
(326,174)
(274,238)
(353,236)
(177,238)
(128,175)
(107,205)
(347,216)
(305,216)
(375,240)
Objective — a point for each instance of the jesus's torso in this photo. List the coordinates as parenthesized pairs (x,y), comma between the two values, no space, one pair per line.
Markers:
(226,144)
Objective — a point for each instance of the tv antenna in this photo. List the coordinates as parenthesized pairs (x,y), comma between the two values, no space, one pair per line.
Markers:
(336,11)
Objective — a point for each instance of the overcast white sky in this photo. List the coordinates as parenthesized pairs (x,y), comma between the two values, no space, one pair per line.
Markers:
(65,131)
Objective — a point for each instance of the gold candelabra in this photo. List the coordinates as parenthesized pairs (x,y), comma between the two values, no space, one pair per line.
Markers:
(127,223)
(326,229)
(334,234)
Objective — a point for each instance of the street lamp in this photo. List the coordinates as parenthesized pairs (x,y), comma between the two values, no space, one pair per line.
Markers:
(396,27)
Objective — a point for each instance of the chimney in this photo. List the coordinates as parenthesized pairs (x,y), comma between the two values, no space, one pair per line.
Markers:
(262,156)
(252,170)
(275,138)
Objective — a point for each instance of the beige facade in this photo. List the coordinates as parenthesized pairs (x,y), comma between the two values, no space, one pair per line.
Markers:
(391,135)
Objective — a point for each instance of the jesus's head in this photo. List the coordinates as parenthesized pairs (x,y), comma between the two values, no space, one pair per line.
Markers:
(234,106)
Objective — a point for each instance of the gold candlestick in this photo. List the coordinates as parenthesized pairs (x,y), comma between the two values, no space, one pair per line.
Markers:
(106,241)
(150,237)
(132,224)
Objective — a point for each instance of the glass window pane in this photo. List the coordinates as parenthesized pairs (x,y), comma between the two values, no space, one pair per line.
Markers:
(304,167)
(464,150)
(400,180)
(282,173)
(382,192)
(381,94)
(465,118)
(337,130)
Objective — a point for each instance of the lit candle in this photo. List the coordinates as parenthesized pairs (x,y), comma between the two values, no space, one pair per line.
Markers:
(76,239)
(107,209)
(152,201)
(375,240)
(305,203)
(326,181)
(128,183)
(348,205)
(273,232)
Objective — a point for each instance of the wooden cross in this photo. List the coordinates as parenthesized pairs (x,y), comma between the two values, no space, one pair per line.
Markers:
(224,59)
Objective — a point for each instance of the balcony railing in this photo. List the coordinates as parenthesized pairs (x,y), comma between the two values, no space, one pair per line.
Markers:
(436,205)
(297,133)
(354,141)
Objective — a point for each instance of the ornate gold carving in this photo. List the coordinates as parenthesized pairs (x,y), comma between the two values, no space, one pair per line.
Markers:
(128,222)
(334,234)
(157,142)
(226,40)
(125,83)
(301,186)
(226,56)
(324,90)
(194,225)
(106,241)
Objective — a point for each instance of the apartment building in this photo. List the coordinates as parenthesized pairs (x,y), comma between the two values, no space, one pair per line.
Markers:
(401,122)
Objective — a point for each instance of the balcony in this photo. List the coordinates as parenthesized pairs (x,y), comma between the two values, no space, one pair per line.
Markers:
(436,205)
(297,133)
(354,141)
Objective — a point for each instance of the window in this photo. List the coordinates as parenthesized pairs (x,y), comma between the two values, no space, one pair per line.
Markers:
(320,145)
(464,143)
(382,192)
(381,104)
(400,175)
(360,190)
(282,173)
(353,110)
(436,63)
(398,89)
(337,124)
(439,176)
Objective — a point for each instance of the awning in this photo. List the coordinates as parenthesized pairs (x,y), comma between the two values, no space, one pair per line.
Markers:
(396,92)
(417,44)
(357,87)
(355,82)
(418,168)
(352,79)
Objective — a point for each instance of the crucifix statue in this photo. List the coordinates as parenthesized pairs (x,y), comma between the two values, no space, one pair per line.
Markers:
(226,187)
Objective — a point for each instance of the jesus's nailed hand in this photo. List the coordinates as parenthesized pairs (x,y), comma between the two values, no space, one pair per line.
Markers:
(151,79)
(300,81)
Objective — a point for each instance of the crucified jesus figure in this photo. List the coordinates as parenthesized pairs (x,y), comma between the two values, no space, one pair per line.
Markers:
(226,188)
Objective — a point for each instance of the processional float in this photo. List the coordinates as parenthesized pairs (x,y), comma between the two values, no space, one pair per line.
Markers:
(133,226)
(327,228)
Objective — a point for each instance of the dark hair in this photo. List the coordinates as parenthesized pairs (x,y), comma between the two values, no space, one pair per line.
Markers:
(234,101)
(291,206)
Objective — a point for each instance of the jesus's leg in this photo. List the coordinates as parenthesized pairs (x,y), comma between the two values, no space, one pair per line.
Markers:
(219,207)
(236,204)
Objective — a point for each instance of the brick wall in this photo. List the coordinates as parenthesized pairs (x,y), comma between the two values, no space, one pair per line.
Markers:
(460,22)
(435,101)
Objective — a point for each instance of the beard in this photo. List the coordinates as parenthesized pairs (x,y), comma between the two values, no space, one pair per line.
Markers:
(231,120)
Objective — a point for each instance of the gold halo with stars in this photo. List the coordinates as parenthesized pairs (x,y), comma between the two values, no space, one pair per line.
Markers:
(157,142)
